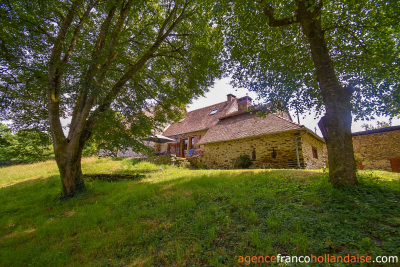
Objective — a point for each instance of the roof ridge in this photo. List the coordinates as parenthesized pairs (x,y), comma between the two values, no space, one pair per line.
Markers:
(207,106)
(302,126)
(233,114)
(379,130)
(295,123)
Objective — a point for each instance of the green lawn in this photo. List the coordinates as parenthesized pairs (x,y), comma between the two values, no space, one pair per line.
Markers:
(180,217)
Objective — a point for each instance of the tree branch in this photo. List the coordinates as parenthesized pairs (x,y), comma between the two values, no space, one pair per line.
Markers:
(273,22)
(87,105)
(82,100)
(135,68)
(40,28)
(169,68)
(180,35)
(55,74)
(3,98)
(111,54)
(167,55)
(77,31)
(164,53)
(138,43)
(358,40)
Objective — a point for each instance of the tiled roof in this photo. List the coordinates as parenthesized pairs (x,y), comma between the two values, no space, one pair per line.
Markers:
(247,125)
(201,119)
(380,130)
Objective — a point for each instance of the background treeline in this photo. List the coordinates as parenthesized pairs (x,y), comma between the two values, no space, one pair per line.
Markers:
(30,145)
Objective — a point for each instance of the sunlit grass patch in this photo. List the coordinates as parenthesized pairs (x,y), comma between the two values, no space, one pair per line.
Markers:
(19,173)
(384,175)
(175,216)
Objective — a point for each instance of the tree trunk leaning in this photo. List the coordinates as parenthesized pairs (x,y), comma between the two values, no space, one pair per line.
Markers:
(336,124)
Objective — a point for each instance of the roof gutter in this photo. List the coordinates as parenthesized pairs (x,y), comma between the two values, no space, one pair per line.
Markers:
(297,147)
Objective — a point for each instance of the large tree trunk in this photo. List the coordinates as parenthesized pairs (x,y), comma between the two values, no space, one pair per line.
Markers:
(342,166)
(69,164)
(336,124)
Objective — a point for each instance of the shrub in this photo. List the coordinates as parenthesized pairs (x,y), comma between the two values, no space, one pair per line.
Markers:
(196,163)
(243,162)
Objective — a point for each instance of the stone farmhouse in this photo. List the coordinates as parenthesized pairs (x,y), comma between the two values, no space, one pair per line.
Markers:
(378,149)
(218,134)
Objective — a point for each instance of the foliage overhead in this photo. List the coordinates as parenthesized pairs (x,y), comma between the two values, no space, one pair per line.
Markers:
(379,125)
(114,132)
(178,40)
(363,40)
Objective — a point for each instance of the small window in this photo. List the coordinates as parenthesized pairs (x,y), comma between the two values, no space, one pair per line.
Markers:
(213,111)
(273,153)
(314,152)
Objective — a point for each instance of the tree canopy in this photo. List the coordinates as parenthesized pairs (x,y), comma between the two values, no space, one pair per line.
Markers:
(363,42)
(102,45)
(337,56)
(79,59)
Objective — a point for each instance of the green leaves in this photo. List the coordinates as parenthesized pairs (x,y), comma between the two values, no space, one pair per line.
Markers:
(28,145)
(363,41)
(156,53)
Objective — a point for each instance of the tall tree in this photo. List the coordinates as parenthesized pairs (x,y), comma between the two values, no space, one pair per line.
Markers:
(340,56)
(80,58)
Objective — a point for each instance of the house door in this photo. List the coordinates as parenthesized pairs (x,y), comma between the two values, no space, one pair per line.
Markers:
(395,162)
(183,147)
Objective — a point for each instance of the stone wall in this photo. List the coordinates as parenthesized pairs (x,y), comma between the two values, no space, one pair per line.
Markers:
(310,142)
(375,150)
(162,148)
(128,153)
(280,145)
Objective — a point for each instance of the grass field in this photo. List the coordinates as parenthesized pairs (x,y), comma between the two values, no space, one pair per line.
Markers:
(179,217)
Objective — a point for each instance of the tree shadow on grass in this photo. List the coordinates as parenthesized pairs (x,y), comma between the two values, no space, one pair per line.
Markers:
(115,177)
(211,219)
(264,213)
(365,218)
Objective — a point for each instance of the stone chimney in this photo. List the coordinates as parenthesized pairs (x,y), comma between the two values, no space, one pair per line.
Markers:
(244,103)
(230,97)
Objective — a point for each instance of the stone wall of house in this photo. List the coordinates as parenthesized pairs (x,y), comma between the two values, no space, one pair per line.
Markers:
(326,156)
(224,154)
(309,143)
(161,148)
(129,153)
(375,150)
